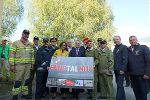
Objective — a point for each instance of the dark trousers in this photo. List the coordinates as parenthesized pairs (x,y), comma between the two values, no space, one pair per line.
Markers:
(120,88)
(140,87)
(53,89)
(127,78)
(41,79)
(32,73)
(76,92)
(62,90)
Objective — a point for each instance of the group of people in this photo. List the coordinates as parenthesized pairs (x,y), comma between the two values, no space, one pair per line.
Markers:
(28,59)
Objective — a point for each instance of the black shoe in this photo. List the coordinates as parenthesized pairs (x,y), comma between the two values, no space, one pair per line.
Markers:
(38,99)
(102,97)
(26,96)
(89,97)
(15,97)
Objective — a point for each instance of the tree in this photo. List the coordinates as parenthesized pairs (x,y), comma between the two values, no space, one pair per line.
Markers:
(12,14)
(71,18)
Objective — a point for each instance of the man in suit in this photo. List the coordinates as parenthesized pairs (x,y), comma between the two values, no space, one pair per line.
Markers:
(78,51)
(120,65)
(32,73)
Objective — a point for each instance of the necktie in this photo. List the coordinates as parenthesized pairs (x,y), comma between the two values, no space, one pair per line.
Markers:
(77,51)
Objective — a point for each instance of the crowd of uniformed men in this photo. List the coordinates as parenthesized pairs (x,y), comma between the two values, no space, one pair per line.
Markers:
(26,59)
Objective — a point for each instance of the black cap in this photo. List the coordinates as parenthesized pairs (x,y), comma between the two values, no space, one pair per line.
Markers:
(103,42)
(45,39)
(36,38)
(26,31)
(99,39)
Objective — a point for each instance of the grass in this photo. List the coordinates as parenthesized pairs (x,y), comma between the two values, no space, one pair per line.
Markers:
(11,77)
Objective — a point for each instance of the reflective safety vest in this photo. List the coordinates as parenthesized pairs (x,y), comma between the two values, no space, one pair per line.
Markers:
(21,53)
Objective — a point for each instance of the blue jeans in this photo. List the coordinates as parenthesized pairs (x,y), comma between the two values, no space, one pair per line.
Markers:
(120,89)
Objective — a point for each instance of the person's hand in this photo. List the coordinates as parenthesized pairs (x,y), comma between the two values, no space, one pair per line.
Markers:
(146,77)
(32,67)
(13,68)
(121,72)
(47,68)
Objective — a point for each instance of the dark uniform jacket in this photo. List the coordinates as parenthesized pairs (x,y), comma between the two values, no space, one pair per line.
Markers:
(52,50)
(43,58)
(120,57)
(139,60)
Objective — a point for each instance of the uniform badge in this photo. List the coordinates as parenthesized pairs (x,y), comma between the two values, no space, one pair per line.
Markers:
(137,52)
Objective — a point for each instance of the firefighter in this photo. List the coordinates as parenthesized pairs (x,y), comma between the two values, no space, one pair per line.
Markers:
(21,61)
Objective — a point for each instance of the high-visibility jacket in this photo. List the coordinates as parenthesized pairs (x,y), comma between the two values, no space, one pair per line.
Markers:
(21,53)
(6,51)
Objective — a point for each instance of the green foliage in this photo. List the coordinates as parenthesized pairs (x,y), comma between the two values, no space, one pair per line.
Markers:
(71,19)
(12,14)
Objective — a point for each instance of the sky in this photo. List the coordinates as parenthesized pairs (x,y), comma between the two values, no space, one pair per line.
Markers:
(131,17)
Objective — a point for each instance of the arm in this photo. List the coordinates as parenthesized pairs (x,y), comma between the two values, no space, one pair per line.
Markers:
(124,58)
(12,55)
(39,57)
(147,60)
(96,57)
(110,60)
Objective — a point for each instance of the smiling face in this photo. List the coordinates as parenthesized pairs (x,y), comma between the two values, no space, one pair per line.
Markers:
(89,45)
(133,40)
(117,40)
(53,42)
(4,42)
(63,46)
(77,44)
(69,43)
(25,36)
(36,42)
(103,46)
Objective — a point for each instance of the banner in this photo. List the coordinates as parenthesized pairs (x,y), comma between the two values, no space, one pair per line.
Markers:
(76,72)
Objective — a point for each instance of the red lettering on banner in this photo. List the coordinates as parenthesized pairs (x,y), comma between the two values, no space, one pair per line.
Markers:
(51,67)
(70,83)
(55,67)
(85,69)
(71,68)
(91,69)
